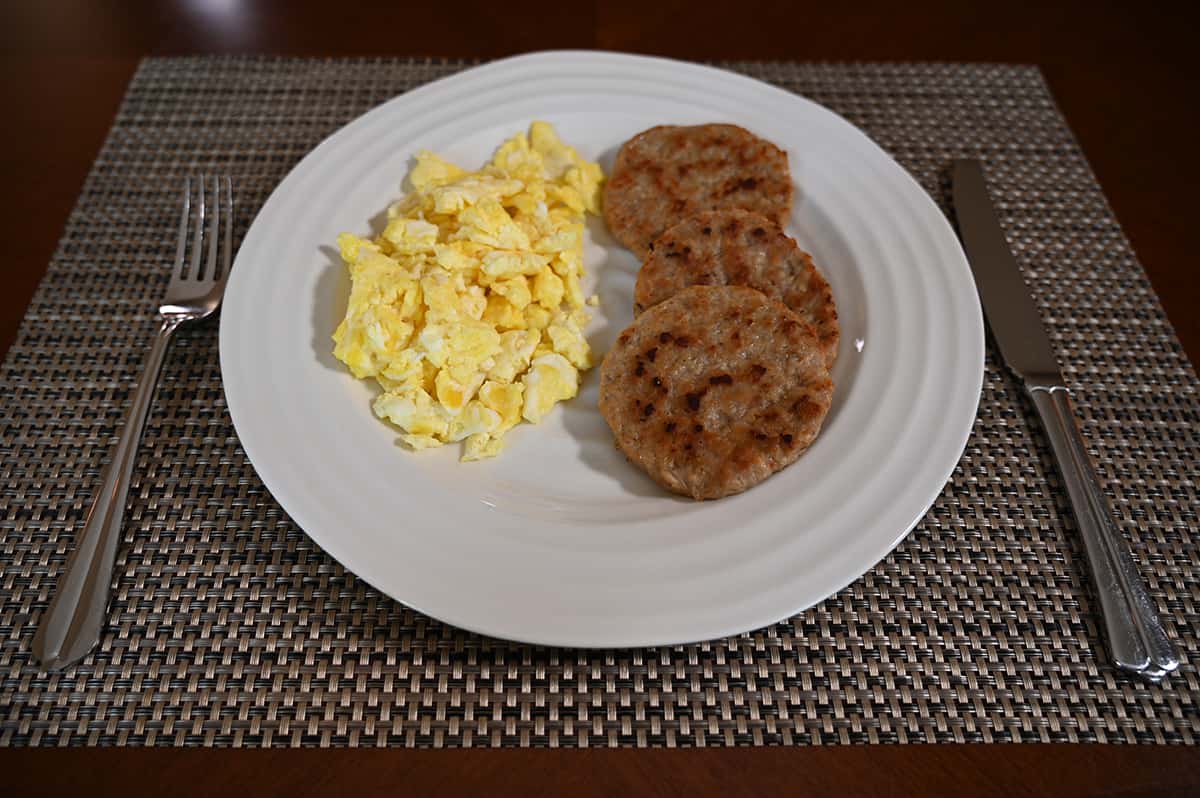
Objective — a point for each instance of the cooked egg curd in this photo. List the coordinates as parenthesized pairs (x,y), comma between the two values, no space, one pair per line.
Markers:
(468,309)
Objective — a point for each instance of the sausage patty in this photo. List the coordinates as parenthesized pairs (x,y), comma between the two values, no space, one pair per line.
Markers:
(668,172)
(715,389)
(736,247)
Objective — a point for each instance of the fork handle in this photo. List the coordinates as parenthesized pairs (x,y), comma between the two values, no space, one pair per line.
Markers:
(1136,636)
(70,627)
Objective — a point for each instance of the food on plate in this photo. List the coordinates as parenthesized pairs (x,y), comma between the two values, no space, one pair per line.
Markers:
(467,309)
(715,389)
(736,247)
(723,378)
(668,172)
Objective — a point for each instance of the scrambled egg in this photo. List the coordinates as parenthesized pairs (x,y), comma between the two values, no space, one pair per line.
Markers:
(467,309)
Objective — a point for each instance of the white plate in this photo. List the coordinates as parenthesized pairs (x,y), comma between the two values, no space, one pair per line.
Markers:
(559,540)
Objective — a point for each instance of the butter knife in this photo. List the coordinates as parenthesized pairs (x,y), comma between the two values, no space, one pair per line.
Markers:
(1136,638)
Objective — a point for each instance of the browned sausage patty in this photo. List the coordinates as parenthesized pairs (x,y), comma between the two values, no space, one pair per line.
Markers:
(715,389)
(668,172)
(736,247)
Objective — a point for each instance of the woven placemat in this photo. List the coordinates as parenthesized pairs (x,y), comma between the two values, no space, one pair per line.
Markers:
(230,627)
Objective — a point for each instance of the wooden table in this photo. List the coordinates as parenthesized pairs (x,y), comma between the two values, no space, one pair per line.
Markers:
(1124,77)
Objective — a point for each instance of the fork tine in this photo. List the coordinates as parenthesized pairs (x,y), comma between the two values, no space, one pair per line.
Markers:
(183,225)
(227,250)
(214,227)
(199,236)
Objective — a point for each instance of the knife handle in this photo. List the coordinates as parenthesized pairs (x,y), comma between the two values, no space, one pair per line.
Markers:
(1135,634)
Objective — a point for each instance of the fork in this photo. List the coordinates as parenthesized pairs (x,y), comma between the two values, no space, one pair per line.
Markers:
(71,626)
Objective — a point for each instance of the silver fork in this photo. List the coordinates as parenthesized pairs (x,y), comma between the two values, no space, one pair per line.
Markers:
(70,627)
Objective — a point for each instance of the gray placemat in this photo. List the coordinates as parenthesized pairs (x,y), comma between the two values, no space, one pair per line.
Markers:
(230,627)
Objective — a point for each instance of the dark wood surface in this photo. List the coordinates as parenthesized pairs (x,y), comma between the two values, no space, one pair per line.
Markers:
(978,771)
(1123,74)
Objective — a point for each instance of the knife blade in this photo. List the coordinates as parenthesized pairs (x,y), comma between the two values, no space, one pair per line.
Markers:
(1136,637)
(1014,319)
